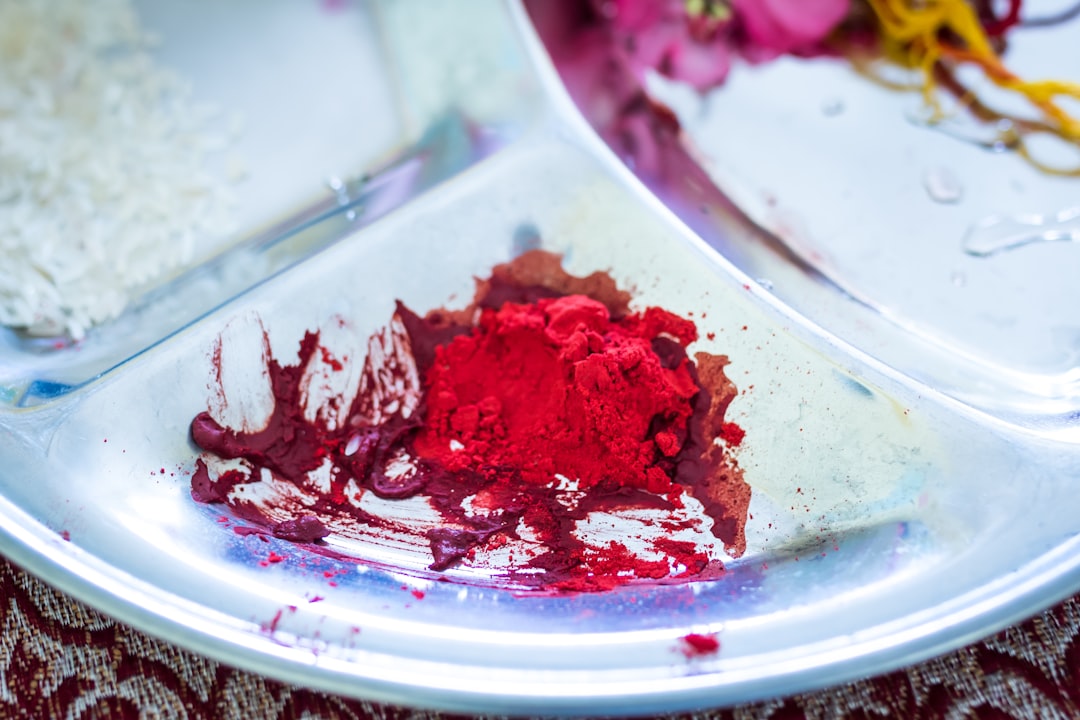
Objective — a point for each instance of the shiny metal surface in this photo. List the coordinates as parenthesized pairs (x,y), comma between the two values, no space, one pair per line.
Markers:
(890,520)
(959,255)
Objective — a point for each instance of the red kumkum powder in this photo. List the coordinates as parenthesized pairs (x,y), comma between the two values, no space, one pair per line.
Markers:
(699,645)
(547,379)
(559,387)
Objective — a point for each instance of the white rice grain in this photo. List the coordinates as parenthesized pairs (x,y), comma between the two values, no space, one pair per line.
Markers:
(103,165)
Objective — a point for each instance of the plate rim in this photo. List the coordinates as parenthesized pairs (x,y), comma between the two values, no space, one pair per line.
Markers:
(36,549)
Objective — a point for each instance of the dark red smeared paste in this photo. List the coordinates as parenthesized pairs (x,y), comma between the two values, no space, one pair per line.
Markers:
(543,402)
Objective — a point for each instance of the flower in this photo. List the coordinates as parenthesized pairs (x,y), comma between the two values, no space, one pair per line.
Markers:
(775,27)
(662,35)
(703,65)
(635,16)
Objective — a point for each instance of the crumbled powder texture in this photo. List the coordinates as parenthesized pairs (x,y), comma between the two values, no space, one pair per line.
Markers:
(544,377)
(556,387)
(104,185)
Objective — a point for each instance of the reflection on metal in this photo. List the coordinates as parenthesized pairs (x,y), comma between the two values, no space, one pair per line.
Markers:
(998,233)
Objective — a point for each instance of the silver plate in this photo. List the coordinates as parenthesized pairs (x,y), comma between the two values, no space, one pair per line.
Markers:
(893,517)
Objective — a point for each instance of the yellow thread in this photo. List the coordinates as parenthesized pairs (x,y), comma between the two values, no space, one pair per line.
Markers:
(916,34)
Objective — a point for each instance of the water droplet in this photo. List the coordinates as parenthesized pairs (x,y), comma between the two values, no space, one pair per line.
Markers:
(832,107)
(995,137)
(1006,137)
(998,233)
(958,279)
(942,186)
(350,215)
(922,115)
(339,188)
(765,283)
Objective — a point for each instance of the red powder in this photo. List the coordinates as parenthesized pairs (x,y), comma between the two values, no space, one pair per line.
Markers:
(732,434)
(272,559)
(331,362)
(545,376)
(696,645)
(272,626)
(558,387)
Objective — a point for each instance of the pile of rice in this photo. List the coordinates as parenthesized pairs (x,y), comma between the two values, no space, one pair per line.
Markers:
(104,185)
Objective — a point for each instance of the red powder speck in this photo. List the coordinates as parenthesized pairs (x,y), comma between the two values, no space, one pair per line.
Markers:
(65,535)
(732,434)
(332,583)
(328,573)
(698,645)
(418,594)
(331,362)
(316,598)
(272,626)
(274,558)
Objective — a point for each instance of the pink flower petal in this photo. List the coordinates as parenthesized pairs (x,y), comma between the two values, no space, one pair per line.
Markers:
(647,50)
(703,66)
(788,25)
(637,16)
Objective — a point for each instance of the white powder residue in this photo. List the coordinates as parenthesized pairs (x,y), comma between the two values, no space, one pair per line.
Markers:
(104,180)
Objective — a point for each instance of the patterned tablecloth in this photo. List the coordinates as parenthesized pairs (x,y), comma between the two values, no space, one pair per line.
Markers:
(60,659)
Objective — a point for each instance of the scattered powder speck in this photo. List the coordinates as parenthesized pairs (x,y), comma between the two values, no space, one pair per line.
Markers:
(699,644)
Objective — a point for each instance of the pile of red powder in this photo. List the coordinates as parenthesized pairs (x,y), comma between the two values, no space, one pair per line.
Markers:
(546,382)
(557,387)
